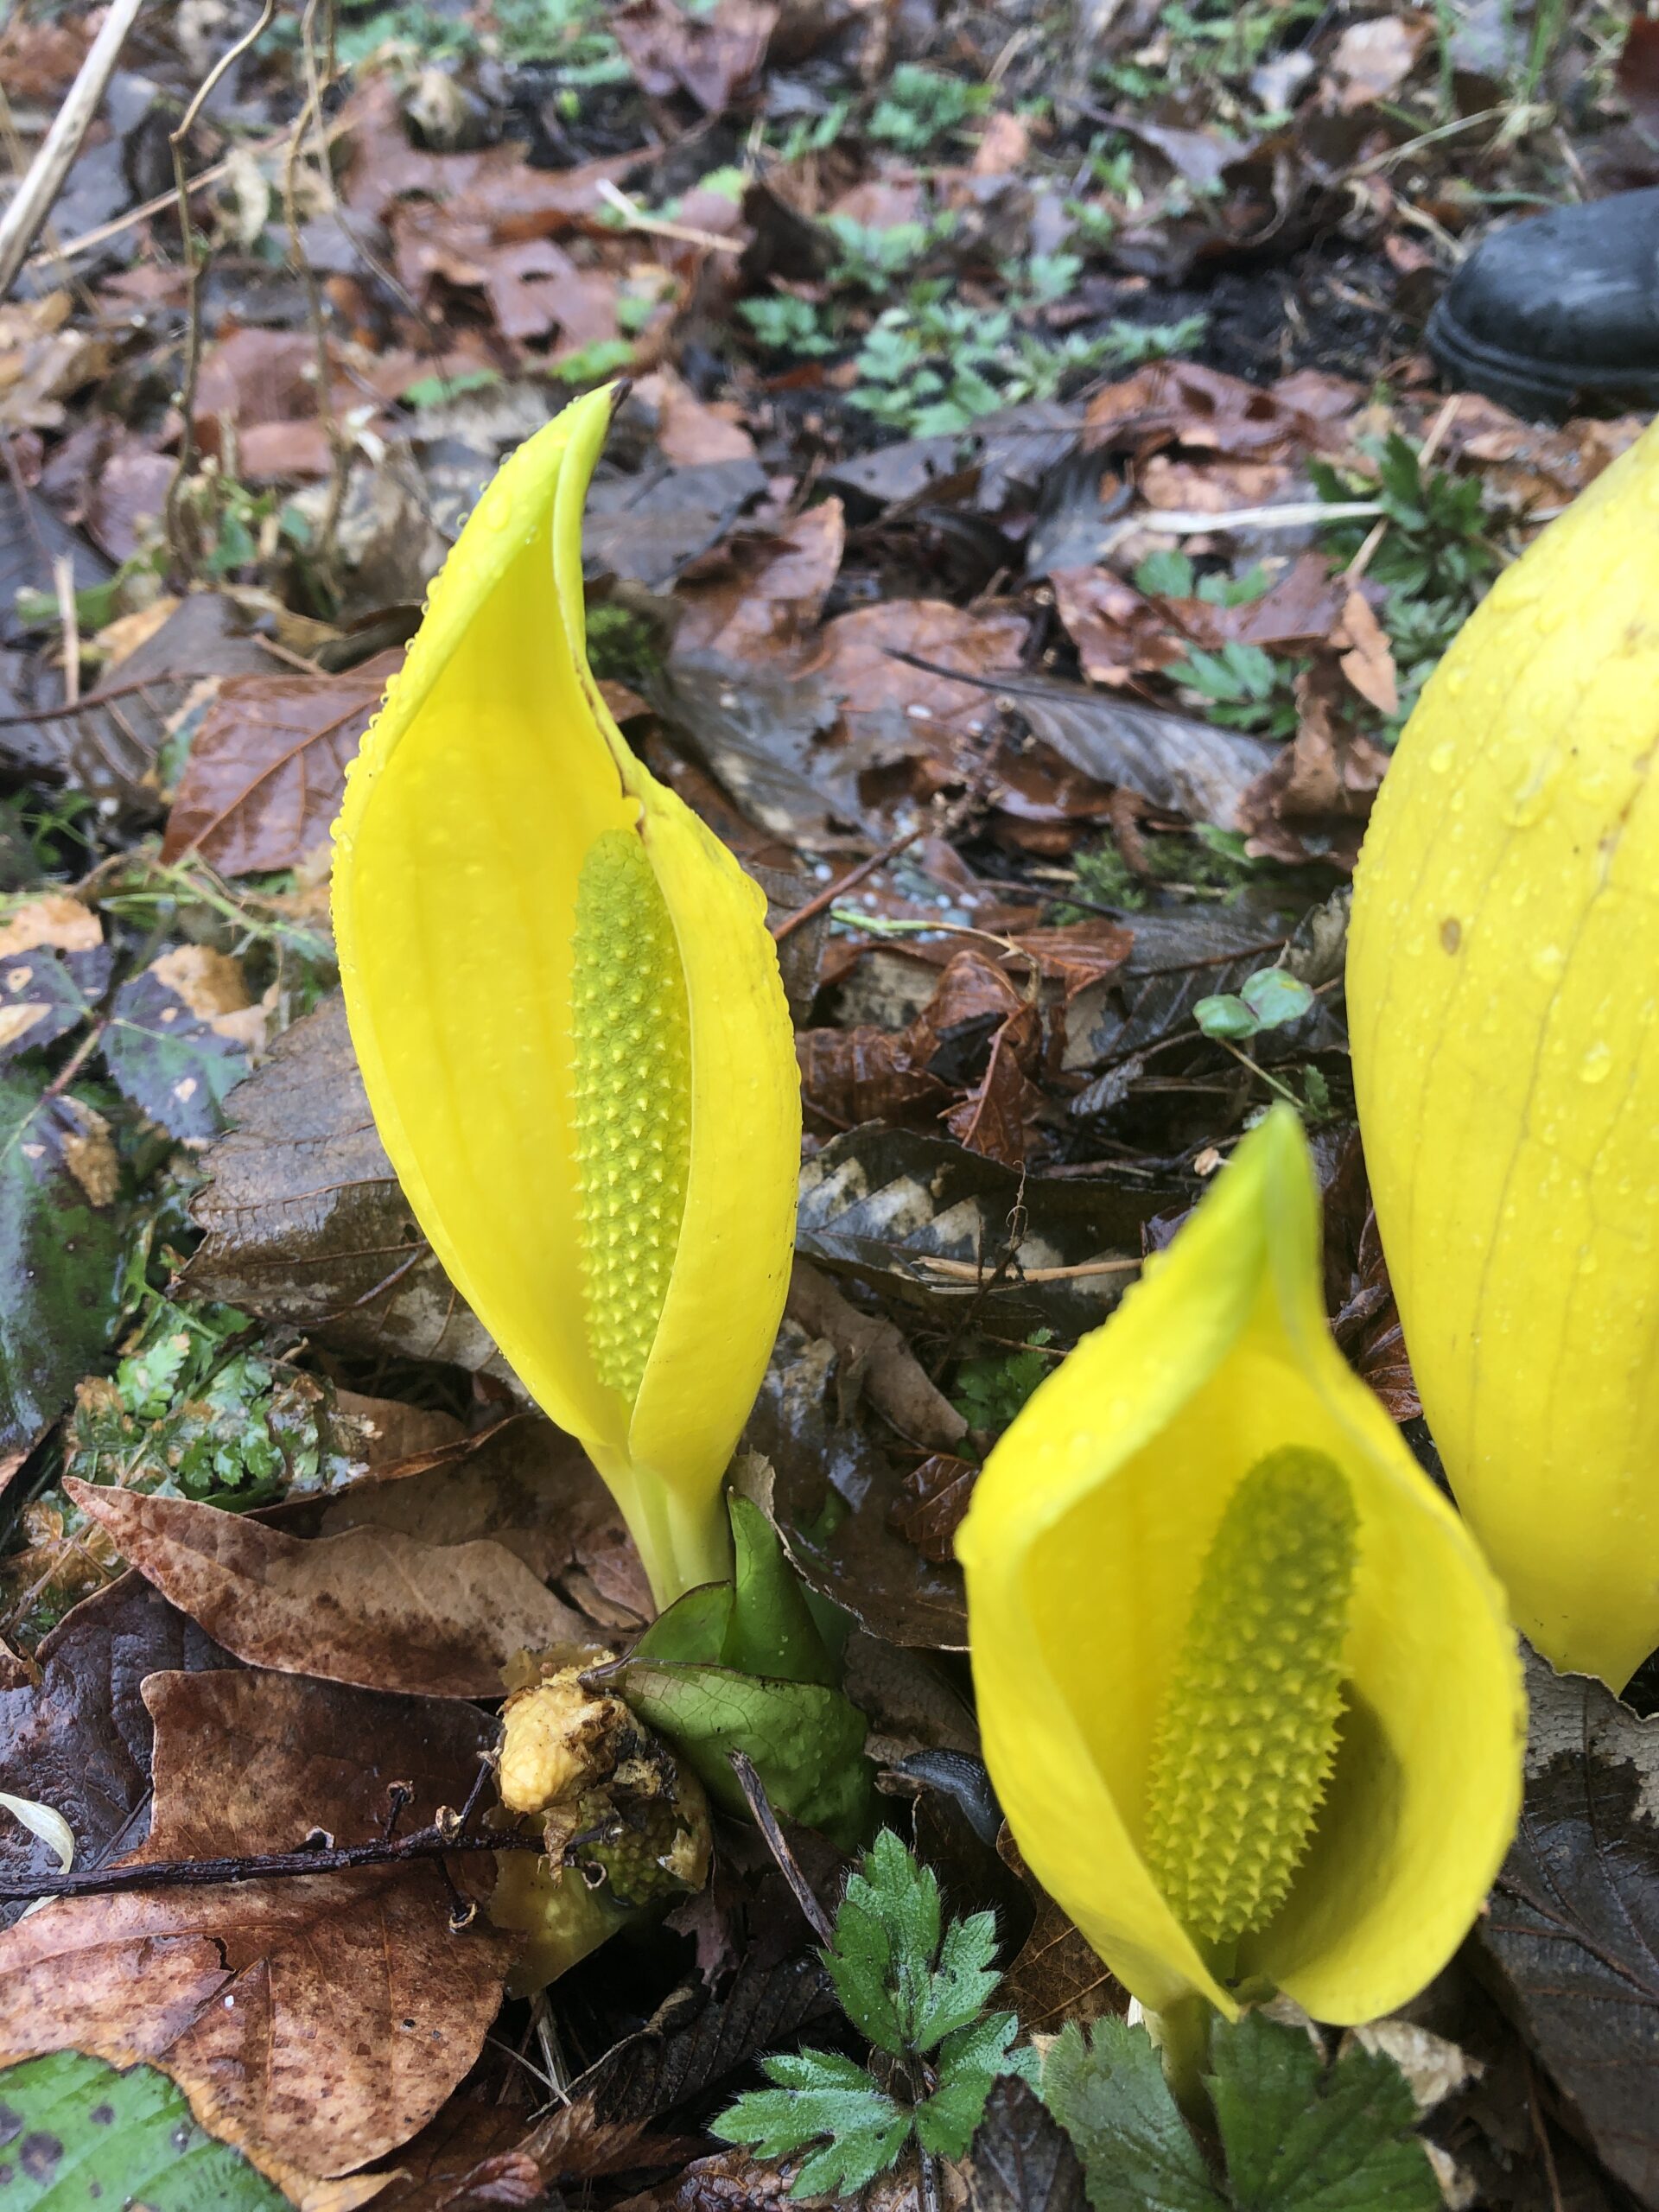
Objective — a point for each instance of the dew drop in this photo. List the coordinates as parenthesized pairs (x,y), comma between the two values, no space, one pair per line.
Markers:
(1596,1064)
(1442,757)
(1548,962)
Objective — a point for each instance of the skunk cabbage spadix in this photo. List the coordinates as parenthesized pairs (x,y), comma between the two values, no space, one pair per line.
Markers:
(1249,1694)
(1504,999)
(569,1016)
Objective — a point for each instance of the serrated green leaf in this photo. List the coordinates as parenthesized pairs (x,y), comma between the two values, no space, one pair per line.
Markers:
(74,2131)
(819,2093)
(1299,2138)
(770,1629)
(806,1742)
(889,1926)
(960,1986)
(1112,2099)
(967,2065)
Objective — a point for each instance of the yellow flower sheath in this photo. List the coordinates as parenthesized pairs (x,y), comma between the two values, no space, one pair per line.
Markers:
(1249,1693)
(569,1016)
(1503,998)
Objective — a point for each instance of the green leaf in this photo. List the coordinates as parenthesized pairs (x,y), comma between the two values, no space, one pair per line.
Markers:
(771,1630)
(74,2131)
(961,1985)
(887,1936)
(1112,2099)
(693,1627)
(967,2065)
(1225,1016)
(820,2093)
(1165,575)
(807,1742)
(59,1253)
(1299,2138)
(1275,997)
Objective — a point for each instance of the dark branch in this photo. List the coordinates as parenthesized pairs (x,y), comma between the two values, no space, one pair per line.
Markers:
(435,1842)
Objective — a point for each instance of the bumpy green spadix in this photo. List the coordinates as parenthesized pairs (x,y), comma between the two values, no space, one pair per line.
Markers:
(631,1070)
(1247,1736)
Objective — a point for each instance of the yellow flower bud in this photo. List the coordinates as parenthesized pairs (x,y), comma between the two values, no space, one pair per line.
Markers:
(1503,998)
(569,1020)
(1247,1691)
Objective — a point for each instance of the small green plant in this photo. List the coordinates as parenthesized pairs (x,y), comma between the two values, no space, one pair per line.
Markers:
(989,1392)
(1242,687)
(919,106)
(916,1988)
(1433,558)
(436,391)
(592,364)
(1294,2134)
(871,259)
(784,324)
(1169,574)
(1205,860)
(808,134)
(1270,999)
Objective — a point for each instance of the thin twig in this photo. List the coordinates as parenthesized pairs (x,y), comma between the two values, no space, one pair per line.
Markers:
(32,201)
(309,119)
(432,1843)
(815,905)
(969,1271)
(195,262)
(637,219)
(63,582)
(754,1792)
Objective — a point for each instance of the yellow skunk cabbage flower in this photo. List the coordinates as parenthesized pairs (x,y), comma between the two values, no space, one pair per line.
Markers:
(1249,1694)
(569,1016)
(1504,995)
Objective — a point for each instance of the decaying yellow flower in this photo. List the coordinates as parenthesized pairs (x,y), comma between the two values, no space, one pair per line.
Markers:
(567,1013)
(1503,996)
(1249,1694)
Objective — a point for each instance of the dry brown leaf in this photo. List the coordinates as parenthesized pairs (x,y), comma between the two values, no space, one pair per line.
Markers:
(1118,633)
(370,1607)
(266,772)
(314,2023)
(690,430)
(896,1381)
(770,592)
(1372,59)
(56,920)
(527,1485)
(1055,1976)
(1369,663)
(714,57)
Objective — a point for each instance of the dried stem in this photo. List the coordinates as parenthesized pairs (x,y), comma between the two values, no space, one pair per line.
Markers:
(195,263)
(428,1844)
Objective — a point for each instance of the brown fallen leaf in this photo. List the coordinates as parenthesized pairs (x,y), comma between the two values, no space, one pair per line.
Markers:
(473,2155)
(690,430)
(1368,663)
(932,1502)
(714,57)
(1372,59)
(314,2023)
(1313,799)
(895,1379)
(765,594)
(1056,1977)
(370,1607)
(268,766)
(527,1485)
(997,1116)
(305,1220)
(80,1740)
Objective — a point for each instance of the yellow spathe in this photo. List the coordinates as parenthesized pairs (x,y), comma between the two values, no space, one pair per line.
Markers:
(1083,1546)
(1503,998)
(492,772)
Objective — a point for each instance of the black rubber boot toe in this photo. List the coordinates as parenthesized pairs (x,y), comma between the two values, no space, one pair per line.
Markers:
(1559,310)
